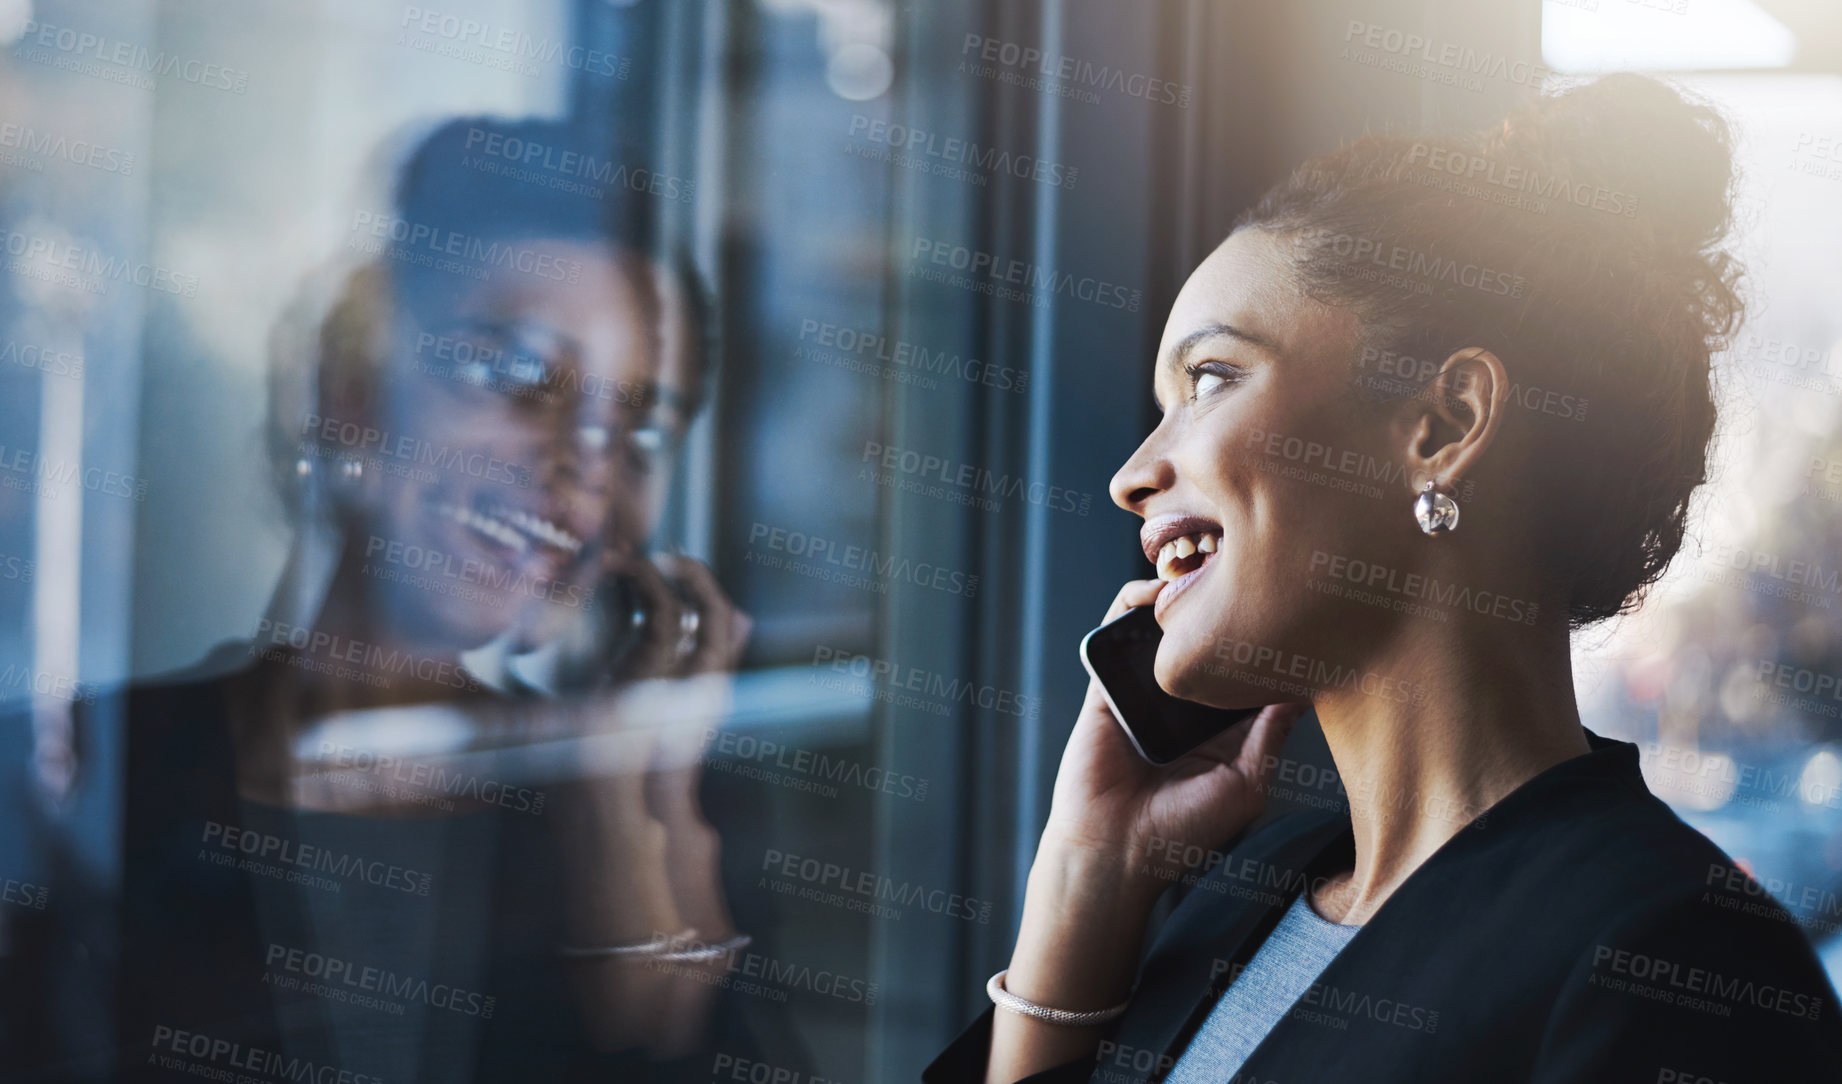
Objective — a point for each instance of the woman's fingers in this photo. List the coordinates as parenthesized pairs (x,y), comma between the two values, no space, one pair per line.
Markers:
(722,629)
(1135,593)
(656,654)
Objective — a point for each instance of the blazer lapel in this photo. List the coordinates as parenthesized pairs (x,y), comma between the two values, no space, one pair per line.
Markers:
(1376,968)
(1201,947)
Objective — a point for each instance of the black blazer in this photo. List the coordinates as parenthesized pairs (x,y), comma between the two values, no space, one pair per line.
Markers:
(181,944)
(1577,931)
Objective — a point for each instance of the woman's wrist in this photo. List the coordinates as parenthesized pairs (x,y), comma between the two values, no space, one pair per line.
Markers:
(1084,920)
(1115,867)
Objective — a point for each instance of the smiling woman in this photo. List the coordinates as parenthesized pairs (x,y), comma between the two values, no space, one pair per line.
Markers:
(474,440)
(1336,381)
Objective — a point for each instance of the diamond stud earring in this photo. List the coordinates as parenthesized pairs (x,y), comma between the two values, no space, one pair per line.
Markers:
(1436,512)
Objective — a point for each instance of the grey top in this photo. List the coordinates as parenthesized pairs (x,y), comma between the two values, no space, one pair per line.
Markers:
(1280,972)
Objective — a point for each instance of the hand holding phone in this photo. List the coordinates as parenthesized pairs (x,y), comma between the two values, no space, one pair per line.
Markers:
(1120,655)
(1117,807)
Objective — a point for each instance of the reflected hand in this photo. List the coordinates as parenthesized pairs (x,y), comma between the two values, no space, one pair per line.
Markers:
(691,627)
(677,690)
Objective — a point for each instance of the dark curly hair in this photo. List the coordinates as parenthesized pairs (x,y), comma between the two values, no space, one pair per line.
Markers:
(1580,242)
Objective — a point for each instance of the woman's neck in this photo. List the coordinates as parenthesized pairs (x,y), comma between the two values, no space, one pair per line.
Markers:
(292,688)
(1484,715)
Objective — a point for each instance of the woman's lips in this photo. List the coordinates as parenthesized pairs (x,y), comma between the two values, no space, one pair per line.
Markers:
(520,540)
(1173,588)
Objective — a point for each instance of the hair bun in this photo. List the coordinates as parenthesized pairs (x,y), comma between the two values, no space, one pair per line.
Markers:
(1669,157)
(1593,221)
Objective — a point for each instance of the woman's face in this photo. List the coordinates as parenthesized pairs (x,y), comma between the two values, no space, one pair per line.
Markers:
(534,430)
(1263,451)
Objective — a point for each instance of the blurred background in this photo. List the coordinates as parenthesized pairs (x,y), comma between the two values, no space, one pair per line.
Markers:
(900,474)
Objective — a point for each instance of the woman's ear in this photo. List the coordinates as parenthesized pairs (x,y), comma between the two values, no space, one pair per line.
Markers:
(355,346)
(1445,430)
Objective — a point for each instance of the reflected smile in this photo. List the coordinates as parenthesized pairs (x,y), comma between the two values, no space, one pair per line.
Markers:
(514,528)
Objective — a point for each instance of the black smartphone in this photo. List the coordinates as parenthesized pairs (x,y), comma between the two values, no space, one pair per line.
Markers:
(1120,655)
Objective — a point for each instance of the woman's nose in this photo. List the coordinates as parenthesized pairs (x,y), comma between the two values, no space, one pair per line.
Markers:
(1146,472)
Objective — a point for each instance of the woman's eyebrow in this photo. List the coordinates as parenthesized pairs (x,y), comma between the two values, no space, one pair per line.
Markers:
(1180,353)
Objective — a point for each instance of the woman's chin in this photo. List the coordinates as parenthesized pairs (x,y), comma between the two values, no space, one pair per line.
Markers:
(460,624)
(1183,673)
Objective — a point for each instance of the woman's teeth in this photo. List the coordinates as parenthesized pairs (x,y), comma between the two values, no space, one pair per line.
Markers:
(545,530)
(515,529)
(1174,558)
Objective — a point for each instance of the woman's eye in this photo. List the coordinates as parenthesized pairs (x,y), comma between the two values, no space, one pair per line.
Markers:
(524,370)
(1209,377)
(504,358)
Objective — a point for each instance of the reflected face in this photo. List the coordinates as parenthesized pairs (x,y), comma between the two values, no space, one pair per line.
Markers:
(1253,380)
(536,427)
